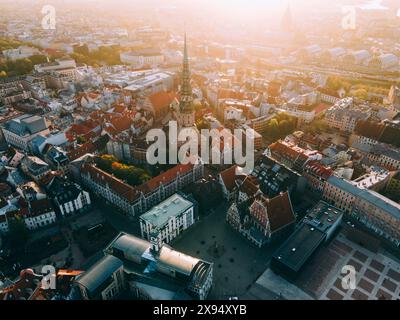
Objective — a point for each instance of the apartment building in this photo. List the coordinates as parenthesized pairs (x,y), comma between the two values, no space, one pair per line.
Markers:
(20,131)
(136,200)
(168,219)
(375,211)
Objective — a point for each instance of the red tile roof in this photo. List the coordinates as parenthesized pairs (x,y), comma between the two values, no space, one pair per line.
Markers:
(279,211)
(250,186)
(118,186)
(284,150)
(231,94)
(132,193)
(319,169)
(162,99)
(321,108)
(88,147)
(23,288)
(167,176)
(228,177)
(40,207)
(121,124)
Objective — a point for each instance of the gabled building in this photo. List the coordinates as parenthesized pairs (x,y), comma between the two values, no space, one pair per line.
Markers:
(18,132)
(262,220)
(39,213)
(34,167)
(274,177)
(292,155)
(316,175)
(160,103)
(35,214)
(68,197)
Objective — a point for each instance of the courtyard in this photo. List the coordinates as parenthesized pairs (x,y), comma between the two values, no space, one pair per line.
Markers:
(237,262)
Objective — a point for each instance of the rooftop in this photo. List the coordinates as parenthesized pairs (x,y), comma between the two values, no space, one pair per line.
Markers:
(99,272)
(147,80)
(322,216)
(26,124)
(159,215)
(299,247)
(370,196)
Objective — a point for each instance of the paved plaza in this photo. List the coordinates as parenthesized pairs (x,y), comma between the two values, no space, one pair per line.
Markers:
(237,262)
(377,277)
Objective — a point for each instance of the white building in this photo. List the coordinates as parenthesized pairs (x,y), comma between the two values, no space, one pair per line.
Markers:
(20,131)
(232,113)
(142,58)
(68,197)
(375,211)
(384,61)
(40,213)
(150,83)
(59,72)
(168,219)
(59,65)
(21,52)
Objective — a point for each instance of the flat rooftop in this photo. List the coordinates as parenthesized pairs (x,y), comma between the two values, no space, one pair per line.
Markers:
(299,247)
(323,216)
(370,179)
(147,81)
(159,215)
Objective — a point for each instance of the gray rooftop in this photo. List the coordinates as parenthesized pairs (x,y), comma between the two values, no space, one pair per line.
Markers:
(296,250)
(370,196)
(26,124)
(93,278)
(159,215)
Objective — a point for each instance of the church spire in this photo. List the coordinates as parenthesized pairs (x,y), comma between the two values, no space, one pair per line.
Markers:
(287,20)
(186,95)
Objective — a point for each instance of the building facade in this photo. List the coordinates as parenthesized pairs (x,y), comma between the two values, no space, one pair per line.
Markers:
(136,200)
(168,219)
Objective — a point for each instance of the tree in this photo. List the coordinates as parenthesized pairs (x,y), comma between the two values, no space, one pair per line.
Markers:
(201,124)
(38,59)
(284,127)
(80,139)
(361,94)
(3,74)
(273,128)
(105,161)
(197,105)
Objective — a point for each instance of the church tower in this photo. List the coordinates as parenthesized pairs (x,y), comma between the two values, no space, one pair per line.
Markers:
(287,20)
(186,110)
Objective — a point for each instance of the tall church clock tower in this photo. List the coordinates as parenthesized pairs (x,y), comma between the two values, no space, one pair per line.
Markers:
(186,110)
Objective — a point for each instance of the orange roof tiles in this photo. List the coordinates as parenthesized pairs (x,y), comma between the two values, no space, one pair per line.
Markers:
(228,177)
(162,99)
(132,193)
(279,210)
